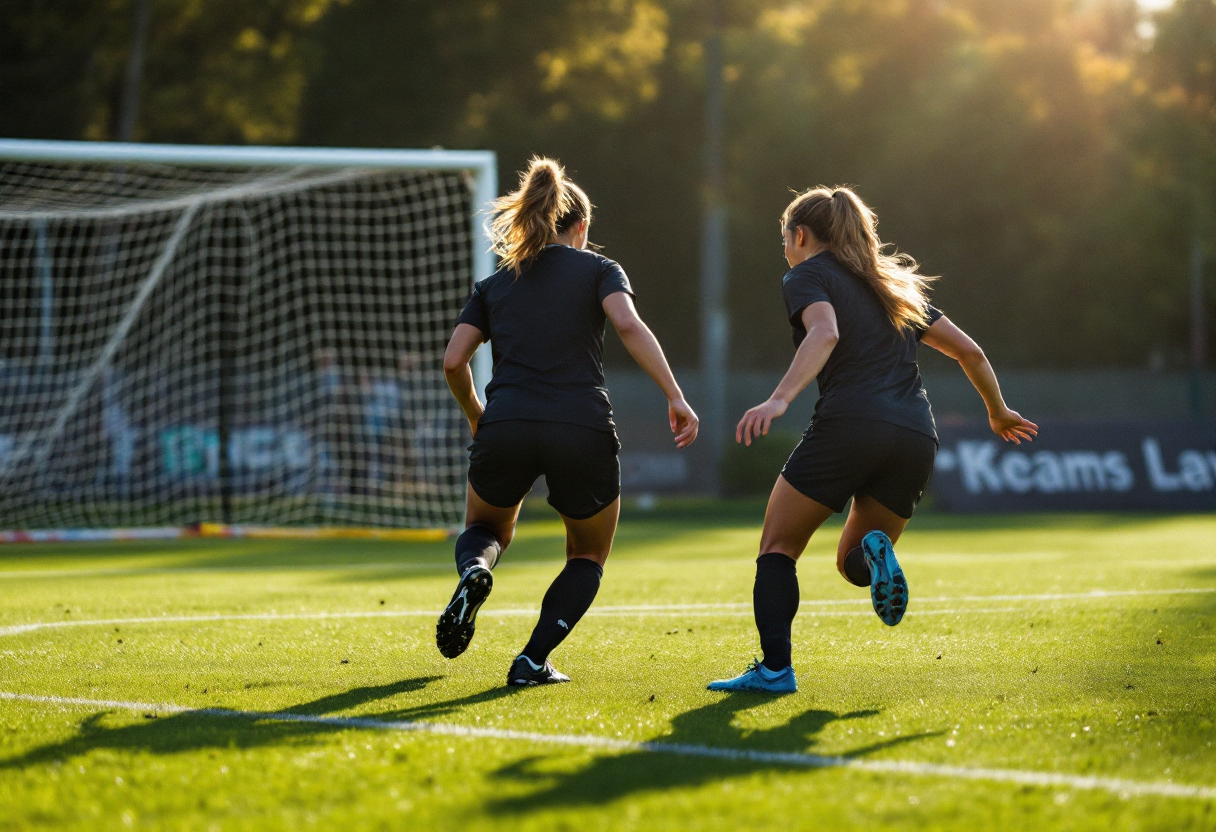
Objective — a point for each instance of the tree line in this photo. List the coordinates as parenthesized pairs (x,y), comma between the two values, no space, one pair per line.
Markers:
(1054,161)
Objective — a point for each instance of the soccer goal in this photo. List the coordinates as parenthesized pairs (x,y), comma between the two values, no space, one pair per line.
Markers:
(233,339)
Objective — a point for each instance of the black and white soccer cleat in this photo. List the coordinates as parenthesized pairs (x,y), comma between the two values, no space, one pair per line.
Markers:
(456,623)
(524,672)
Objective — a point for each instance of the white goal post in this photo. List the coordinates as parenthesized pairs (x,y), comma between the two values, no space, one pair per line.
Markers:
(238,340)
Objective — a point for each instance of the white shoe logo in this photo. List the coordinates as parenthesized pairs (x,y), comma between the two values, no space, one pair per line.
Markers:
(563,624)
(464,604)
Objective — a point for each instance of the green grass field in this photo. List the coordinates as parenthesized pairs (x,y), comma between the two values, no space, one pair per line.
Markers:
(1077,646)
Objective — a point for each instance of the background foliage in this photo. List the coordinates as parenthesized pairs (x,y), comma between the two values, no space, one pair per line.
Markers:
(1050,159)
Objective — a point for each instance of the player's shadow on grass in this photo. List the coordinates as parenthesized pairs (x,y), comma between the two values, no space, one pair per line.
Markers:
(609,778)
(223,729)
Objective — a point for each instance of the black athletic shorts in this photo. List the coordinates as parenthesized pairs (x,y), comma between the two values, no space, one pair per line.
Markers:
(839,458)
(579,464)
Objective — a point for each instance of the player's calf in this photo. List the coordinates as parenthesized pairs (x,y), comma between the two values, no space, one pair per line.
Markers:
(567,599)
(855,569)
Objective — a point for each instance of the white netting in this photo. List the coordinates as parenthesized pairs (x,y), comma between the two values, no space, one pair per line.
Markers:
(255,345)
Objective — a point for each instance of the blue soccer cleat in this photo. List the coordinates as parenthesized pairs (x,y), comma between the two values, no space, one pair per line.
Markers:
(888,587)
(757,677)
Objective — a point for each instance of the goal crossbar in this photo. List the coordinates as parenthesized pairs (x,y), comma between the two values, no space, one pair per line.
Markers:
(37,150)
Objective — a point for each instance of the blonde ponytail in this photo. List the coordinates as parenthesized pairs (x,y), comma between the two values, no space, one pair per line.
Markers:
(545,205)
(839,219)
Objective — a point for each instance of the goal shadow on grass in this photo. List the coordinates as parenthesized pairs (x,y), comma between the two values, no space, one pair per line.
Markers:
(609,778)
(203,729)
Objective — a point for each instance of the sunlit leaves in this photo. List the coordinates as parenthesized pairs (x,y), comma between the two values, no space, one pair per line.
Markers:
(610,60)
(215,71)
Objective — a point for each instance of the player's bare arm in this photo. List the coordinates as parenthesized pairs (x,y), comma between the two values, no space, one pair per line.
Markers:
(821,337)
(463,344)
(645,349)
(945,337)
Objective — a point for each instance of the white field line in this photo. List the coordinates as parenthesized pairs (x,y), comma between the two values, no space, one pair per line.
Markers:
(867,613)
(1078,596)
(1117,786)
(683,610)
(1092,594)
(690,611)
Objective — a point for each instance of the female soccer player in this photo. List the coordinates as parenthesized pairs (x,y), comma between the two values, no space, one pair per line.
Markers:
(547,411)
(858,315)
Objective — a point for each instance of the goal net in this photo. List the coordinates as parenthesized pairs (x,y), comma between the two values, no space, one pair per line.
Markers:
(228,335)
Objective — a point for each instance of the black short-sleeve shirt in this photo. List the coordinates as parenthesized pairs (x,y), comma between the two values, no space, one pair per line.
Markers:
(872,371)
(546,331)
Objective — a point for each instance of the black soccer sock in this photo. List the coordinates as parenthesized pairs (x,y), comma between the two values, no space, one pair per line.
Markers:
(476,546)
(569,596)
(775,599)
(856,570)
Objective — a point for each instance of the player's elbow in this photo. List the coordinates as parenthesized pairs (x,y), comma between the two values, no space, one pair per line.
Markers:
(454,364)
(971,355)
(629,328)
(826,336)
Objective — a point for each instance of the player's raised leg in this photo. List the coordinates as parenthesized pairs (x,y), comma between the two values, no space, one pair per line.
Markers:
(866,556)
(588,543)
(488,531)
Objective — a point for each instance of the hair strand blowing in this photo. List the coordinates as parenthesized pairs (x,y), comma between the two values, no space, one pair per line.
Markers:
(840,220)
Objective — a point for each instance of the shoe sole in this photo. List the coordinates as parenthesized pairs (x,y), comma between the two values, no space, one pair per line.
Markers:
(750,689)
(532,683)
(888,587)
(456,624)
(730,686)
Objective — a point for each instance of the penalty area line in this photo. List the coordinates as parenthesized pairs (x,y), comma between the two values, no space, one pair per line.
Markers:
(1043,779)
(690,611)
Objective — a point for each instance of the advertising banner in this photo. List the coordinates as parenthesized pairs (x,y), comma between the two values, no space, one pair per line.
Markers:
(1078,466)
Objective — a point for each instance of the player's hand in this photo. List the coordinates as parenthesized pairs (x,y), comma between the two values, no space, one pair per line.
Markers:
(1010,426)
(684,422)
(757,421)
